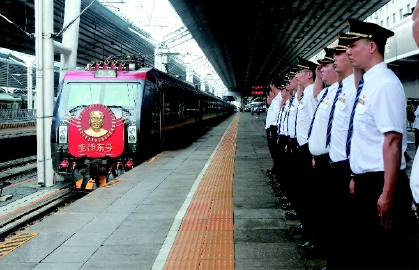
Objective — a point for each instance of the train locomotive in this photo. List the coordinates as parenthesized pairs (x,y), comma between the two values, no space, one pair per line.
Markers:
(108,117)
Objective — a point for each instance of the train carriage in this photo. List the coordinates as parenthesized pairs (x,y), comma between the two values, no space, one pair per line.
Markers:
(109,118)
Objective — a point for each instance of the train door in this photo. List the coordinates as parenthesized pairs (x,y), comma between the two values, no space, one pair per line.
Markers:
(157,116)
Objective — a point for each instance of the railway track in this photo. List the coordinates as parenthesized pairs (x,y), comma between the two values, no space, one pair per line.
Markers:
(16,169)
(22,199)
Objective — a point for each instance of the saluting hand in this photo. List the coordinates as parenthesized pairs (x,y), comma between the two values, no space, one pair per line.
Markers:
(319,71)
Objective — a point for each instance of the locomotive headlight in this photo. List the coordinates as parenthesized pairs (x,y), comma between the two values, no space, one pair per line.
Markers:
(132,134)
(62,134)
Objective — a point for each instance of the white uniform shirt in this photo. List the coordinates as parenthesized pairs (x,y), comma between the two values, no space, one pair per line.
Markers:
(381,108)
(292,117)
(317,140)
(282,125)
(342,114)
(414,178)
(272,119)
(305,113)
(269,115)
(416,123)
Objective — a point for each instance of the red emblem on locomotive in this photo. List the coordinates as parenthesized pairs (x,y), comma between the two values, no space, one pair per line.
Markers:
(96,133)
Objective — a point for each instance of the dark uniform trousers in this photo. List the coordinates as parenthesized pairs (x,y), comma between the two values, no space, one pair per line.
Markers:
(379,248)
(281,159)
(292,160)
(303,179)
(319,213)
(271,136)
(339,222)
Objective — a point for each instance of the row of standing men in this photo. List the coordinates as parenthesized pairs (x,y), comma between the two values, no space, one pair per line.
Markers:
(337,133)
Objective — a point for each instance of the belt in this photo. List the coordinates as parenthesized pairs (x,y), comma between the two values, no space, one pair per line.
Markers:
(339,165)
(374,175)
(303,148)
(322,157)
(281,139)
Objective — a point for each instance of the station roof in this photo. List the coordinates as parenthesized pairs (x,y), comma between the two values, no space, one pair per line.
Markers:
(102,32)
(249,43)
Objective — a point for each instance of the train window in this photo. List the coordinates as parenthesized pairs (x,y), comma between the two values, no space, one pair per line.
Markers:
(118,94)
(83,94)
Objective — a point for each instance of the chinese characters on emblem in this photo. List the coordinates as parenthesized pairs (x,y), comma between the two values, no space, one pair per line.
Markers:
(95,147)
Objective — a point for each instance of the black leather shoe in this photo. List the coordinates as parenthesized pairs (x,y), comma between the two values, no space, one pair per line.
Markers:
(299,228)
(312,252)
(283,199)
(304,245)
(287,206)
(278,193)
(273,182)
(292,215)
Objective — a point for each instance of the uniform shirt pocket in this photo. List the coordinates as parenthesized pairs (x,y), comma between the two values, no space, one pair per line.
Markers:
(340,105)
(361,121)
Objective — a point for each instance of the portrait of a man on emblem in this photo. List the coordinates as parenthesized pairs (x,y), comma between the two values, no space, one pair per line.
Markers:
(96,123)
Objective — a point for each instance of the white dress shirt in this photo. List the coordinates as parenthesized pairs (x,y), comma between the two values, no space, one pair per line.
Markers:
(282,124)
(416,123)
(414,178)
(305,113)
(269,116)
(272,119)
(381,108)
(292,118)
(342,114)
(317,140)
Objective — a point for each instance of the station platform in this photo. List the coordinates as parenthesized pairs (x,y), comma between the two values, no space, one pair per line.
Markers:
(26,129)
(207,206)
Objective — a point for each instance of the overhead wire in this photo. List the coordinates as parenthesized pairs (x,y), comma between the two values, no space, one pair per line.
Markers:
(9,21)
(70,23)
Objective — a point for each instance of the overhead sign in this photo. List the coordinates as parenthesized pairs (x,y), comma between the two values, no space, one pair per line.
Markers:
(258,93)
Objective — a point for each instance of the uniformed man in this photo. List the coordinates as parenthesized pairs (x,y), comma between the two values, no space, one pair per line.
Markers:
(270,116)
(320,152)
(281,140)
(307,104)
(269,97)
(414,176)
(286,203)
(337,191)
(271,126)
(291,144)
(375,145)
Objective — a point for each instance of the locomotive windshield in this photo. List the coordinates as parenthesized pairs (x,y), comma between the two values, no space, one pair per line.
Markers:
(109,94)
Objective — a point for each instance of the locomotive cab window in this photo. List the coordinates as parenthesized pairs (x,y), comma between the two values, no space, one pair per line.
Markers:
(119,95)
(83,94)
(109,94)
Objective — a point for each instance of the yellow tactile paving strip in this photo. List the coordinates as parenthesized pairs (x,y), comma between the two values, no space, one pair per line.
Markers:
(206,236)
(15,242)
